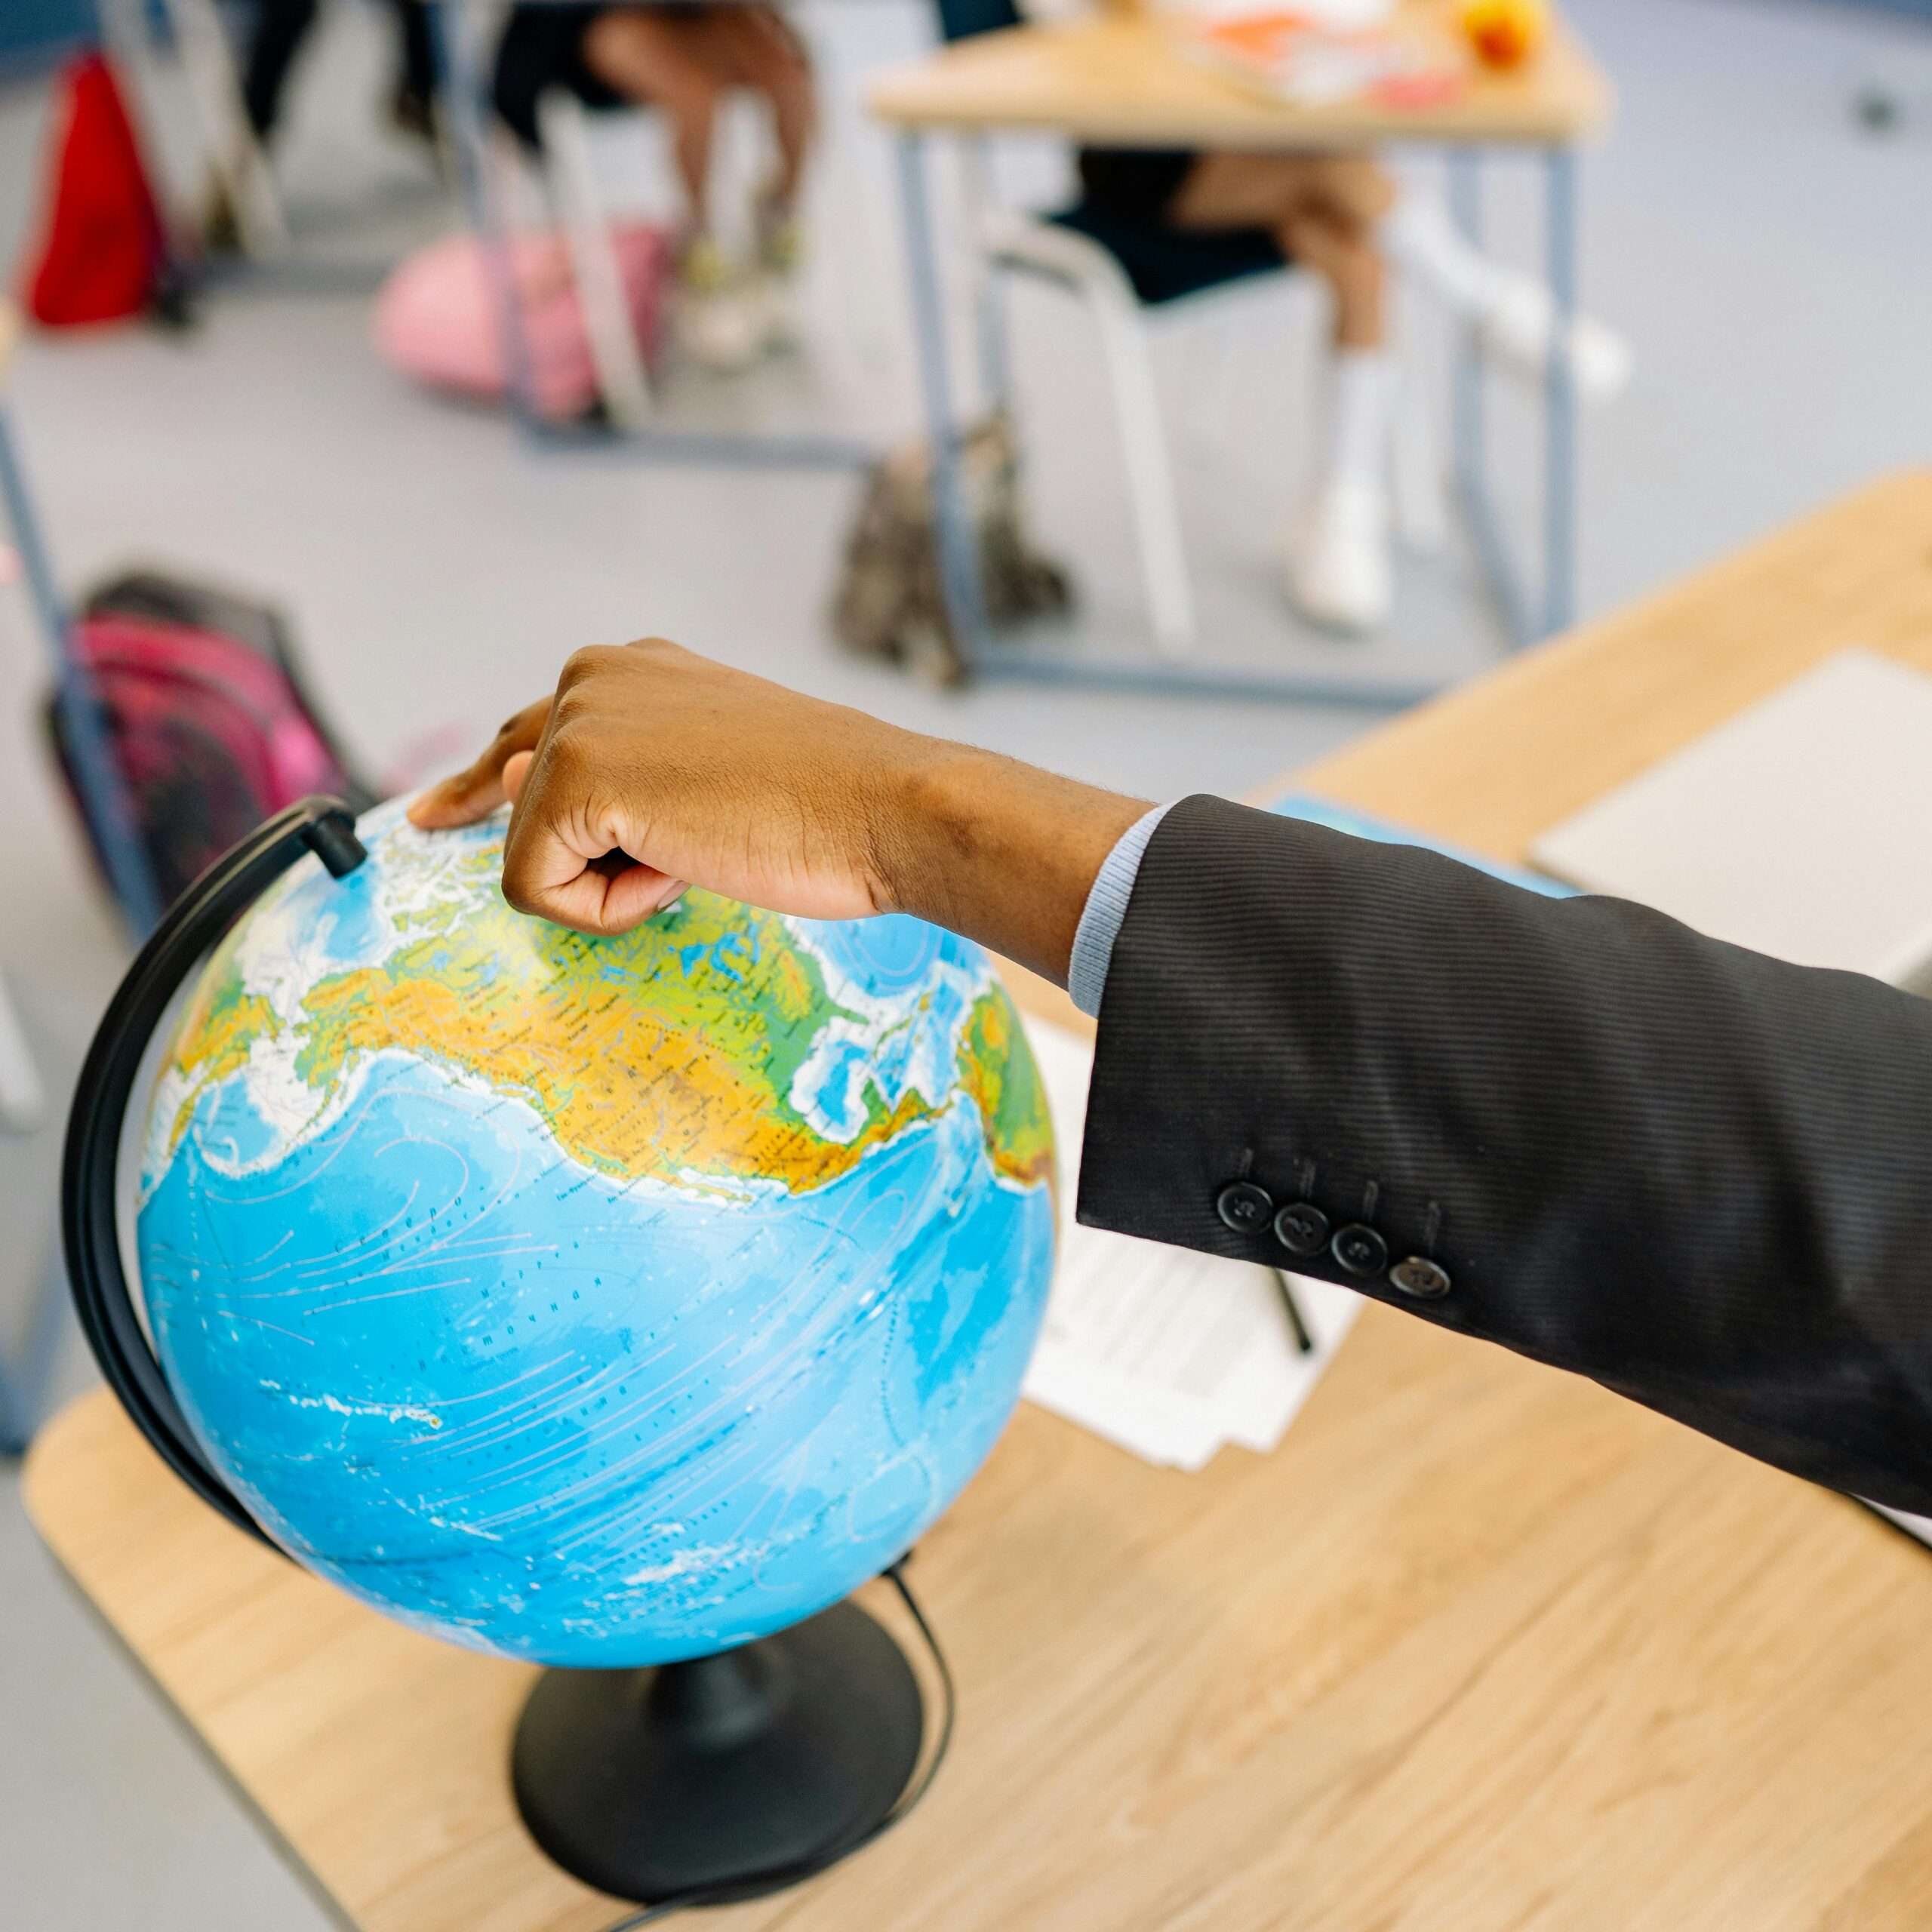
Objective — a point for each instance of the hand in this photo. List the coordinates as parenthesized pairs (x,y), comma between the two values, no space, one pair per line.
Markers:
(651,767)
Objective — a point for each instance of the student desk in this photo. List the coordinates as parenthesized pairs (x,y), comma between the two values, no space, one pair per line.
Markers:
(1480,1647)
(1121,80)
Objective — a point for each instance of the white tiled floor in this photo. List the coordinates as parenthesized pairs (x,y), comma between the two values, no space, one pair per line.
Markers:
(1771,262)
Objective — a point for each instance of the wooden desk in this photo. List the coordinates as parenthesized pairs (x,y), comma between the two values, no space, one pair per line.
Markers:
(1122,79)
(1480,1647)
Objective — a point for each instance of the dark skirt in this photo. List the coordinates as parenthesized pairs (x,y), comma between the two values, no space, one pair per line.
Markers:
(1133,184)
(542,48)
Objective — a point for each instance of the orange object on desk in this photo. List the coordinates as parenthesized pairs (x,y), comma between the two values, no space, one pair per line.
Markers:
(1506,33)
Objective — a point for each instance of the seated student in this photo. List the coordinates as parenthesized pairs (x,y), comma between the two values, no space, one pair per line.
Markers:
(1339,215)
(681,59)
(276,33)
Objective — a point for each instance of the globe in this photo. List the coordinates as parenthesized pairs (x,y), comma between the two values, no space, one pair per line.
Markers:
(598,1302)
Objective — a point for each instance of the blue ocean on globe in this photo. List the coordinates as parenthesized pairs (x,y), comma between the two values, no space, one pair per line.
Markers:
(595,1302)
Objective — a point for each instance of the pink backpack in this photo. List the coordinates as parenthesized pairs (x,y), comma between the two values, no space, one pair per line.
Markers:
(209,728)
(437,320)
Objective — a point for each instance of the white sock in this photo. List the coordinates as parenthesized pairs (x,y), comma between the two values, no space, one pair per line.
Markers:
(1361,390)
(1422,237)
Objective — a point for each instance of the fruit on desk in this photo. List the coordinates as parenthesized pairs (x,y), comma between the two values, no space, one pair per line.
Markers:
(1506,33)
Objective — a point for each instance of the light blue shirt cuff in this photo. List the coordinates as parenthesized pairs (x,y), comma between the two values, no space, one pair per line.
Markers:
(1106,907)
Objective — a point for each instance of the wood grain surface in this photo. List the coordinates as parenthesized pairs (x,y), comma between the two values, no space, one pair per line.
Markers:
(1480,1648)
(1123,79)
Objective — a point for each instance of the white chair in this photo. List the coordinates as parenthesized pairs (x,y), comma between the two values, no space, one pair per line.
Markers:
(229,150)
(23,1095)
(1182,276)
(570,174)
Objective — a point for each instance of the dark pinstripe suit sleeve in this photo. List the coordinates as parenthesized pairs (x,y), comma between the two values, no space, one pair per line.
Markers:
(1699,1175)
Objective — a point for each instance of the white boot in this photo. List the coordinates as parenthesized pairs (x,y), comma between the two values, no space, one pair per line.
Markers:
(1513,314)
(720,325)
(1336,553)
(1517,324)
(780,256)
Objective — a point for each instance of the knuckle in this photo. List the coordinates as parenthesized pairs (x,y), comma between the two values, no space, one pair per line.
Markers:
(585,662)
(568,752)
(518,890)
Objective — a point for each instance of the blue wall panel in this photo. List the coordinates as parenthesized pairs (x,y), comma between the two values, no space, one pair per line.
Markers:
(31,27)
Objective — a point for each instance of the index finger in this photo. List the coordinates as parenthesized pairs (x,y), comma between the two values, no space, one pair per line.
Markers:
(475,793)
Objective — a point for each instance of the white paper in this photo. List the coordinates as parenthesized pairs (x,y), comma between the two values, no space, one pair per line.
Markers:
(1800,827)
(1167,1353)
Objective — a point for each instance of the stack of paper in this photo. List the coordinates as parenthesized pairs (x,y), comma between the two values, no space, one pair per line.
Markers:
(1168,1353)
(1311,52)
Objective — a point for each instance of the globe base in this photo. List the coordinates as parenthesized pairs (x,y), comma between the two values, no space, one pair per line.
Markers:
(728,1776)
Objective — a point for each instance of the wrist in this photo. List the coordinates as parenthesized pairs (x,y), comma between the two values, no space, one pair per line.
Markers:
(998,851)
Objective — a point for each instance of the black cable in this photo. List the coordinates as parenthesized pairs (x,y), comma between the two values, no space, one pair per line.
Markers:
(773,1877)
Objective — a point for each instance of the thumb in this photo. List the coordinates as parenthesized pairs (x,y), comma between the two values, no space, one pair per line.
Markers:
(516,769)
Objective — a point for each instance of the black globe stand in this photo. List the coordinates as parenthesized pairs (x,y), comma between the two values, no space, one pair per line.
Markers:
(725,1777)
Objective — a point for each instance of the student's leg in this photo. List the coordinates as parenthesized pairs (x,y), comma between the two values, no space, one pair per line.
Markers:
(1322,210)
(750,47)
(1510,312)
(412,100)
(653,59)
(669,59)
(746,45)
(280,28)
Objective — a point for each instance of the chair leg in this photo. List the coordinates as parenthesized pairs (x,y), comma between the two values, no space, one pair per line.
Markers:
(1416,456)
(621,379)
(1150,474)
(22,1096)
(234,156)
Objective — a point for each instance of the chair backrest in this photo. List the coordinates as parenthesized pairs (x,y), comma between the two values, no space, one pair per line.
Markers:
(960,19)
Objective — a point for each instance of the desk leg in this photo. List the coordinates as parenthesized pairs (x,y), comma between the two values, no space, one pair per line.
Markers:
(1471,443)
(1466,390)
(989,293)
(958,567)
(1559,505)
(109,808)
(25,1382)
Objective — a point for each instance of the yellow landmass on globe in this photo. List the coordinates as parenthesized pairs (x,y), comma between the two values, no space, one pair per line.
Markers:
(1005,1087)
(221,1024)
(669,1051)
(640,1063)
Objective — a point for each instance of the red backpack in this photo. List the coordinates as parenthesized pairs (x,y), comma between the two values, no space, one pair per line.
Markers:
(103,253)
(205,718)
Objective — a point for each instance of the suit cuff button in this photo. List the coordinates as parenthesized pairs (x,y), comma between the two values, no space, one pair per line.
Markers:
(1360,1250)
(1421,1280)
(1244,1206)
(1302,1229)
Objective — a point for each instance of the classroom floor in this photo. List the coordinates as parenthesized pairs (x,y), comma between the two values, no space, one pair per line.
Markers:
(1767,257)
